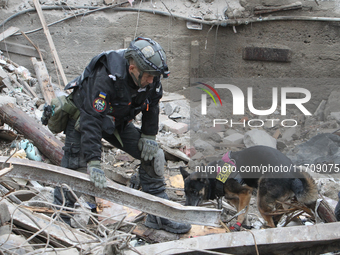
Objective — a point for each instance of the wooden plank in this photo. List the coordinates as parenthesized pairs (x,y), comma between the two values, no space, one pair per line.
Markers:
(21,49)
(5,170)
(45,210)
(8,83)
(8,33)
(27,87)
(3,74)
(62,232)
(153,235)
(43,80)
(20,86)
(31,129)
(50,40)
(265,9)
(36,47)
(112,212)
(7,135)
(197,230)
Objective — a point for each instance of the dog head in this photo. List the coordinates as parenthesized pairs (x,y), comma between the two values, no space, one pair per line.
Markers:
(196,187)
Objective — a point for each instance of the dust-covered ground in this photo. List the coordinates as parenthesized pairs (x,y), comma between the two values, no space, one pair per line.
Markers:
(315,55)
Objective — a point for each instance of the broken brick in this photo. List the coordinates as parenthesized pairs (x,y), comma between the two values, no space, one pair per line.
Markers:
(175,127)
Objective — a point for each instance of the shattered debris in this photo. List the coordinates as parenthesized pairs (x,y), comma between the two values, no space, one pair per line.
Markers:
(97,222)
(31,223)
(117,226)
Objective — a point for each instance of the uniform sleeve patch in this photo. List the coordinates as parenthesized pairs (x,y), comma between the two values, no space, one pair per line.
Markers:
(102,95)
(99,104)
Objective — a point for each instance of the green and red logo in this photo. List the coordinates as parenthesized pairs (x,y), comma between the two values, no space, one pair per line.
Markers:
(204,96)
(99,104)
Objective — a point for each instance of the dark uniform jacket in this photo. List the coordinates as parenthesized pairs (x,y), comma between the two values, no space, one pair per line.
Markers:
(106,89)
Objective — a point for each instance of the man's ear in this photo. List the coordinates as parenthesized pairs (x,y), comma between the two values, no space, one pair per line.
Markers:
(184,173)
(131,67)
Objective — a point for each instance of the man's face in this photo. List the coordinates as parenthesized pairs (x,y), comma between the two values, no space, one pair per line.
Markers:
(146,78)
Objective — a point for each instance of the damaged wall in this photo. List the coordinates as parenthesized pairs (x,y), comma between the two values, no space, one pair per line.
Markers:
(313,45)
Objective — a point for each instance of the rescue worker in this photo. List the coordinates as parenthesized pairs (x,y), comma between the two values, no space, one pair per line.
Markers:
(112,90)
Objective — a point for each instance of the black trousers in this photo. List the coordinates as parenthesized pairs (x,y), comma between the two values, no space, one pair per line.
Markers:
(73,157)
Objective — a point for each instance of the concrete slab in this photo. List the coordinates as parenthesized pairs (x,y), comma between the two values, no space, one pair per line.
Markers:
(318,238)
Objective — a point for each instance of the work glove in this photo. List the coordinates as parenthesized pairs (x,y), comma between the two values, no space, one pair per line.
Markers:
(97,175)
(148,146)
(47,113)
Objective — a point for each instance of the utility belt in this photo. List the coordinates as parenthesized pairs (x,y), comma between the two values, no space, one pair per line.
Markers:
(56,115)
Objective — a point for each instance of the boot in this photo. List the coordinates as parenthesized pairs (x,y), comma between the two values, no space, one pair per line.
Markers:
(156,186)
(156,222)
(134,181)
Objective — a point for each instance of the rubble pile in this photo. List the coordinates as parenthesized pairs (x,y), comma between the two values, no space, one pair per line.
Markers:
(38,226)
(31,223)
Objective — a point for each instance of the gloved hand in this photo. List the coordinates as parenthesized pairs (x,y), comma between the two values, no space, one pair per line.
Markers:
(97,175)
(148,146)
(48,111)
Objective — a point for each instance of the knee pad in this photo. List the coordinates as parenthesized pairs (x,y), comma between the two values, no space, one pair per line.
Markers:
(73,158)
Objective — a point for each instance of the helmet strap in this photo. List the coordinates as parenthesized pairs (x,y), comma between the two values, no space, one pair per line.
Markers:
(137,81)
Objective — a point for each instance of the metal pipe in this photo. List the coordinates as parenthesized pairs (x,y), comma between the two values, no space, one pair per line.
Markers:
(55,175)
(227,22)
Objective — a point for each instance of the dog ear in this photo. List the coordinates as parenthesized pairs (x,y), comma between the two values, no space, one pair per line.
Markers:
(184,173)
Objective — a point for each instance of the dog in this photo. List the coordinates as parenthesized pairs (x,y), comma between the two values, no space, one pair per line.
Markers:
(337,209)
(236,183)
